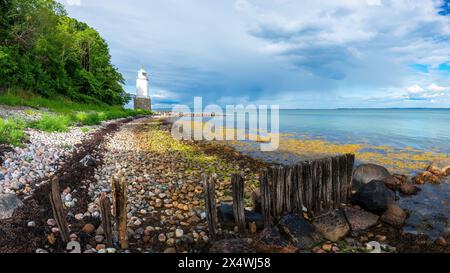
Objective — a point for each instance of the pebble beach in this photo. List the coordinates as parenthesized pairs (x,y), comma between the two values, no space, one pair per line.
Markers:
(165,195)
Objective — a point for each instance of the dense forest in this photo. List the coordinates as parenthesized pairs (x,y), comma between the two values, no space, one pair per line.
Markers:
(44,51)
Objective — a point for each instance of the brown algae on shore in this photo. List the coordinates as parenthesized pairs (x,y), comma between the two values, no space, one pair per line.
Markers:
(406,160)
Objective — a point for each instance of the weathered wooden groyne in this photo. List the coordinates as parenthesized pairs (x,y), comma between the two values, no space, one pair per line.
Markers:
(315,187)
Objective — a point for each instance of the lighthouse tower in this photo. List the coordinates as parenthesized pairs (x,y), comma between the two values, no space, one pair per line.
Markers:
(142,99)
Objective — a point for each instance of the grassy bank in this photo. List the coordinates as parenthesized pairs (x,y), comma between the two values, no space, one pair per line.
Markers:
(56,115)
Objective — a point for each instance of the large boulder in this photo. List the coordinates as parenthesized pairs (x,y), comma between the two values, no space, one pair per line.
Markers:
(299,231)
(394,216)
(365,173)
(374,197)
(239,245)
(8,204)
(226,217)
(332,225)
(256,198)
(359,219)
(409,189)
(270,240)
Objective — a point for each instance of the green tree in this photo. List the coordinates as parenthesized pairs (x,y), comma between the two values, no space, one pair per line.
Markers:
(45,51)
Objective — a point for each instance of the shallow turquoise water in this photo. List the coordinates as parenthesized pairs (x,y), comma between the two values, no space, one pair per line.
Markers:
(418,128)
(421,129)
(424,129)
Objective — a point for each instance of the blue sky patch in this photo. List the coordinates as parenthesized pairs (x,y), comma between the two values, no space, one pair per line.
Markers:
(421,67)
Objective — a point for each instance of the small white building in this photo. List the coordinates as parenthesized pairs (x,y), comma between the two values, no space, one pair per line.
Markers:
(142,99)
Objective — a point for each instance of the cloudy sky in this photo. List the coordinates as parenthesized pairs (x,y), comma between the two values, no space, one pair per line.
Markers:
(295,53)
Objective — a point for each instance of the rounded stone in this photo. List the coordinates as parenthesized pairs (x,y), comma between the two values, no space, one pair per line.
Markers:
(88,228)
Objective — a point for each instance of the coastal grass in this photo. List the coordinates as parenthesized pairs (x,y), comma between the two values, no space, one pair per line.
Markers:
(12,132)
(63,105)
(52,123)
(60,114)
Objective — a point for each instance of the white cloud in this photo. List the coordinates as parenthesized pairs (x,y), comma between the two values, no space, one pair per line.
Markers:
(73,2)
(437,88)
(259,48)
(432,93)
(374,2)
(415,89)
(164,94)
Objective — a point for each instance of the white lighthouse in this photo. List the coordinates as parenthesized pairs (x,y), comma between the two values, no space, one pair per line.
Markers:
(142,84)
(142,99)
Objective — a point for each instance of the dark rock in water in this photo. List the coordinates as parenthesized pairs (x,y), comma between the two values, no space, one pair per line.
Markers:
(270,240)
(238,245)
(365,173)
(409,189)
(359,219)
(374,197)
(226,217)
(332,225)
(88,161)
(299,231)
(8,204)
(394,216)
(2,177)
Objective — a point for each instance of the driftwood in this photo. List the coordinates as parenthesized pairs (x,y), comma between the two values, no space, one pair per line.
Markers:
(237,183)
(210,203)
(120,210)
(105,208)
(58,210)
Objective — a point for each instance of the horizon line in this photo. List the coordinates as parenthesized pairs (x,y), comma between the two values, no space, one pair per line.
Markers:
(354,108)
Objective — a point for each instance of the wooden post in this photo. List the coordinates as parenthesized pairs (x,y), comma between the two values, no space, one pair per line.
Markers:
(327,186)
(343,178)
(296,201)
(301,186)
(105,209)
(210,204)
(58,211)
(287,207)
(272,177)
(335,182)
(266,200)
(279,192)
(350,166)
(237,183)
(120,210)
(317,185)
(308,185)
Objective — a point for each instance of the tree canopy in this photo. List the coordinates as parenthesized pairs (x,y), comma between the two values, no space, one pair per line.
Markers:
(44,51)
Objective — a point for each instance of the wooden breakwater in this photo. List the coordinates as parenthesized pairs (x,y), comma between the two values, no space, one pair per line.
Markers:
(318,186)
